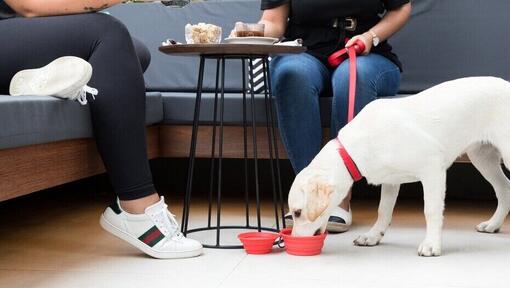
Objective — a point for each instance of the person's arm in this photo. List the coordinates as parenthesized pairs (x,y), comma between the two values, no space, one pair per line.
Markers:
(392,21)
(275,21)
(36,8)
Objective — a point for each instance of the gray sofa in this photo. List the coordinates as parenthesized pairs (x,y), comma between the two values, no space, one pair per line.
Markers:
(444,40)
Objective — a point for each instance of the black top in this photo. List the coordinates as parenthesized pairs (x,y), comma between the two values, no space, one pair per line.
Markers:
(6,11)
(311,20)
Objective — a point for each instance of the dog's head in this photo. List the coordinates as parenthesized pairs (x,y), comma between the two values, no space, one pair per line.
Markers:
(315,192)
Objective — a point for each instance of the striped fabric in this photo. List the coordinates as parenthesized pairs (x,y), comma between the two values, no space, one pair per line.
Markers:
(152,236)
(258,76)
(258,69)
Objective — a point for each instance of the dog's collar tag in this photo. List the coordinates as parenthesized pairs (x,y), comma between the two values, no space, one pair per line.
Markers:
(349,163)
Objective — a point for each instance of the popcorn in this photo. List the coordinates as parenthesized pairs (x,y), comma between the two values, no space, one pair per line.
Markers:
(202,33)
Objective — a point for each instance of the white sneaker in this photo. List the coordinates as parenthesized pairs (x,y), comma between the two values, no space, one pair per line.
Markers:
(156,232)
(65,77)
(339,221)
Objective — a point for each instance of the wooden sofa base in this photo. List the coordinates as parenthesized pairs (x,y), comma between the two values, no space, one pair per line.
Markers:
(32,168)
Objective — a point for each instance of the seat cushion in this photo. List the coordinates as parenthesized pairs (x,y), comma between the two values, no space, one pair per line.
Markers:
(28,120)
(179,108)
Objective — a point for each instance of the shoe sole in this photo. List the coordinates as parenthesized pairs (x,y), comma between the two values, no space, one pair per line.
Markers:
(68,74)
(142,246)
(331,227)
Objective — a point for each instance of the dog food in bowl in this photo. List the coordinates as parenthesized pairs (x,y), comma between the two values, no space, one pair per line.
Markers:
(302,246)
(249,29)
(258,242)
(202,33)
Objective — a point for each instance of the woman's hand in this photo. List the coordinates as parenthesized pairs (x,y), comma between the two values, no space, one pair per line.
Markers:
(392,21)
(366,38)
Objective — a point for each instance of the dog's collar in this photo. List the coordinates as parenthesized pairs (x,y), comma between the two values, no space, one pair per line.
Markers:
(349,163)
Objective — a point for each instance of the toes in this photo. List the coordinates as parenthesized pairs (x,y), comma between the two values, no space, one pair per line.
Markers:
(428,249)
(367,240)
(487,227)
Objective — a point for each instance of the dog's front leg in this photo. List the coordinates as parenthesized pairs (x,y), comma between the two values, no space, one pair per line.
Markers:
(434,187)
(389,195)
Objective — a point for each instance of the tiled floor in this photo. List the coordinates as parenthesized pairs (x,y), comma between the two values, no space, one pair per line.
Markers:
(60,244)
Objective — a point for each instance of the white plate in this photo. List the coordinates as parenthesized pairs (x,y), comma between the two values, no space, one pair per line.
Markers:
(251,40)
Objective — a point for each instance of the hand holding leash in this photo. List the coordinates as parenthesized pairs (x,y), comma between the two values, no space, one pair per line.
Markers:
(363,39)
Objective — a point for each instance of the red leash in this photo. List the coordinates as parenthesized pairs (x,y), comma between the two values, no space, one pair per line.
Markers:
(335,60)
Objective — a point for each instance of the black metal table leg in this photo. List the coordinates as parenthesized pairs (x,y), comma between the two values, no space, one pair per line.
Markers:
(192,150)
(267,80)
(220,153)
(269,128)
(213,144)
(245,146)
(254,134)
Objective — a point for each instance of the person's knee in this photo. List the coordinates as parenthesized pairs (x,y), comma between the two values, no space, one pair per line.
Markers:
(292,72)
(287,71)
(108,27)
(365,79)
(143,53)
(340,78)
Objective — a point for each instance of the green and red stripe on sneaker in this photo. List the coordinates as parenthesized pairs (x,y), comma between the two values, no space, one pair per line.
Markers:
(152,236)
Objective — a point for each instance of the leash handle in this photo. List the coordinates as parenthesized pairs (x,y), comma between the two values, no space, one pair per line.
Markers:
(359,47)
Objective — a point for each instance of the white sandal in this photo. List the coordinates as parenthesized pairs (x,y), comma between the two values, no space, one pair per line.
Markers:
(339,221)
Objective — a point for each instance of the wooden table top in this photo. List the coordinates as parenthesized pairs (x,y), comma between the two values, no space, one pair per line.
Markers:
(229,49)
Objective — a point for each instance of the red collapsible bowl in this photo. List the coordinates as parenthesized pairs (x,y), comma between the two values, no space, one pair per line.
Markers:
(258,242)
(302,246)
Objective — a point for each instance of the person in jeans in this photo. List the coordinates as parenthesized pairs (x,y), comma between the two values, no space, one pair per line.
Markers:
(34,33)
(299,80)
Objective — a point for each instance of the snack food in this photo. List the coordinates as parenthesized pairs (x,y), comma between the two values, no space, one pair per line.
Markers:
(202,33)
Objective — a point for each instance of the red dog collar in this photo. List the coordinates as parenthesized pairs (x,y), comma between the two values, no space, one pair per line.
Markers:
(349,163)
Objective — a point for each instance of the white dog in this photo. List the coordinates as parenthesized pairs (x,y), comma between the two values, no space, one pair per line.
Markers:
(395,141)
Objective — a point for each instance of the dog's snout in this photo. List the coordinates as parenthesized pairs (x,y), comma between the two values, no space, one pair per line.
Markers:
(297,213)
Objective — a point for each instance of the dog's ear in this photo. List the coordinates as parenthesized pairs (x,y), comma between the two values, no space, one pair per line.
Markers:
(319,193)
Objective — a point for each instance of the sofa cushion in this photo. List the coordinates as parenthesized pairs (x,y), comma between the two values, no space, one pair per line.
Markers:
(28,120)
(179,108)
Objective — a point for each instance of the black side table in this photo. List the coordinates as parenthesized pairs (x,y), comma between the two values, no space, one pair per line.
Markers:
(246,54)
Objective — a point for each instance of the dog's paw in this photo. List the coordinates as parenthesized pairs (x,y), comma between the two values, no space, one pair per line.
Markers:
(429,248)
(488,227)
(368,239)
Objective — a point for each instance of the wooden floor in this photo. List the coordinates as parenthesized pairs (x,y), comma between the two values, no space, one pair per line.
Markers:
(54,240)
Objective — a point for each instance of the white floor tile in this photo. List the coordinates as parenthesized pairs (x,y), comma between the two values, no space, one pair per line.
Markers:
(67,248)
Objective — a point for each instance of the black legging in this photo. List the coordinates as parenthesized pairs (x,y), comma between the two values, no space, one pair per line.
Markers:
(118,113)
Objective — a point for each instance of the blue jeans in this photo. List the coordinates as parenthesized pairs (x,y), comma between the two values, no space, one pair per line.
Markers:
(298,81)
